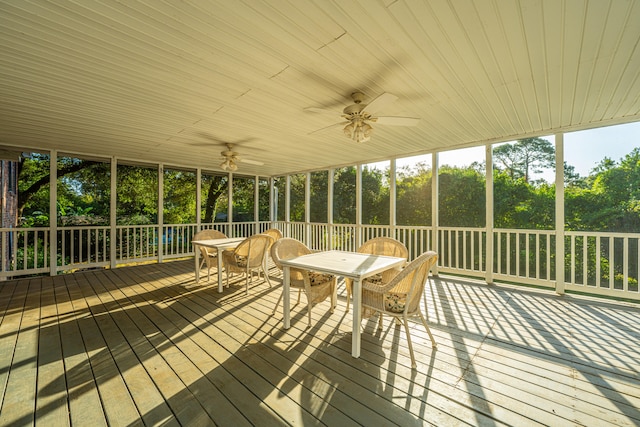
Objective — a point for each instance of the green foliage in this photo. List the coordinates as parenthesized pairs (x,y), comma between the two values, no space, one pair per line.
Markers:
(243,199)
(297,207)
(263,200)
(344,196)
(518,204)
(319,188)
(137,195)
(462,197)
(413,200)
(610,200)
(179,201)
(214,197)
(375,196)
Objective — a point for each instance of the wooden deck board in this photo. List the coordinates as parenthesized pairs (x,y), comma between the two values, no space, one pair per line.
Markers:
(146,345)
(51,402)
(21,384)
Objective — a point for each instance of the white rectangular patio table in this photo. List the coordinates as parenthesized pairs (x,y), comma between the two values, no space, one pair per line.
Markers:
(346,264)
(219,245)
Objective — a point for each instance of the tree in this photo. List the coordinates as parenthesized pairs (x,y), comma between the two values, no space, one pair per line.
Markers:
(524,157)
(319,192)
(462,197)
(375,196)
(413,200)
(344,196)
(216,187)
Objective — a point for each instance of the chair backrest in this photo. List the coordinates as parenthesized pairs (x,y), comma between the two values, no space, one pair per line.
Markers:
(274,233)
(287,248)
(208,235)
(412,278)
(384,246)
(254,248)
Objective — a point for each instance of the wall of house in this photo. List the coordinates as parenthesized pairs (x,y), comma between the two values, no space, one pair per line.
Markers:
(8,204)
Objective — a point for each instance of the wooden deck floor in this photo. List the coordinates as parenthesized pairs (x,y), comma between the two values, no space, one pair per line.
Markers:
(145,345)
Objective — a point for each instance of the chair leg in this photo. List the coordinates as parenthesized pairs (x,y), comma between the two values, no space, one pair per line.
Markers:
(406,329)
(266,276)
(424,322)
(380,320)
(299,293)
(278,303)
(264,270)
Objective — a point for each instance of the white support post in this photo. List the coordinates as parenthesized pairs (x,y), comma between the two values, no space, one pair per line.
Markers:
(359,239)
(560,273)
(113,219)
(256,204)
(287,204)
(198,199)
(435,211)
(161,240)
(307,210)
(392,198)
(231,231)
(489,214)
(272,202)
(330,177)
(53,212)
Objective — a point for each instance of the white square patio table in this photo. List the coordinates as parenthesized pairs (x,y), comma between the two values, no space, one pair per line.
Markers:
(219,245)
(346,264)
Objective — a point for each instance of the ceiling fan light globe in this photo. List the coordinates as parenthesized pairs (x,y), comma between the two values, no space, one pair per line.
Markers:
(349,130)
(367,130)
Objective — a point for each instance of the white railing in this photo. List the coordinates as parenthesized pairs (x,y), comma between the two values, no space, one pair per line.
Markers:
(462,250)
(417,239)
(598,263)
(83,247)
(24,251)
(525,256)
(136,243)
(603,263)
(176,240)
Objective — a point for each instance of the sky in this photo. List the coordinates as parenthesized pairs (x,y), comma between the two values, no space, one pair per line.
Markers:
(584,149)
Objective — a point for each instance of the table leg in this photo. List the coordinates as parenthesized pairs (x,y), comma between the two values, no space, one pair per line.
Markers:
(357,317)
(286,293)
(197,258)
(219,258)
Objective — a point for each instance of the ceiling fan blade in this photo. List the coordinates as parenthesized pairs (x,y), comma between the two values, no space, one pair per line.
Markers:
(396,121)
(321,111)
(203,144)
(380,102)
(335,125)
(251,162)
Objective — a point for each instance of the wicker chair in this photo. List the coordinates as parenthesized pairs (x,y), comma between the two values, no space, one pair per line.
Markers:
(316,286)
(276,235)
(247,257)
(400,297)
(379,246)
(208,254)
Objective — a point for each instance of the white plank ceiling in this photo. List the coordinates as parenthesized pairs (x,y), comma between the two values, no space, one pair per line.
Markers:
(169,80)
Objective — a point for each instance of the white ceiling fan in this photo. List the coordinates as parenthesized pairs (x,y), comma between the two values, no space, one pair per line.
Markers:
(358,116)
(230,159)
